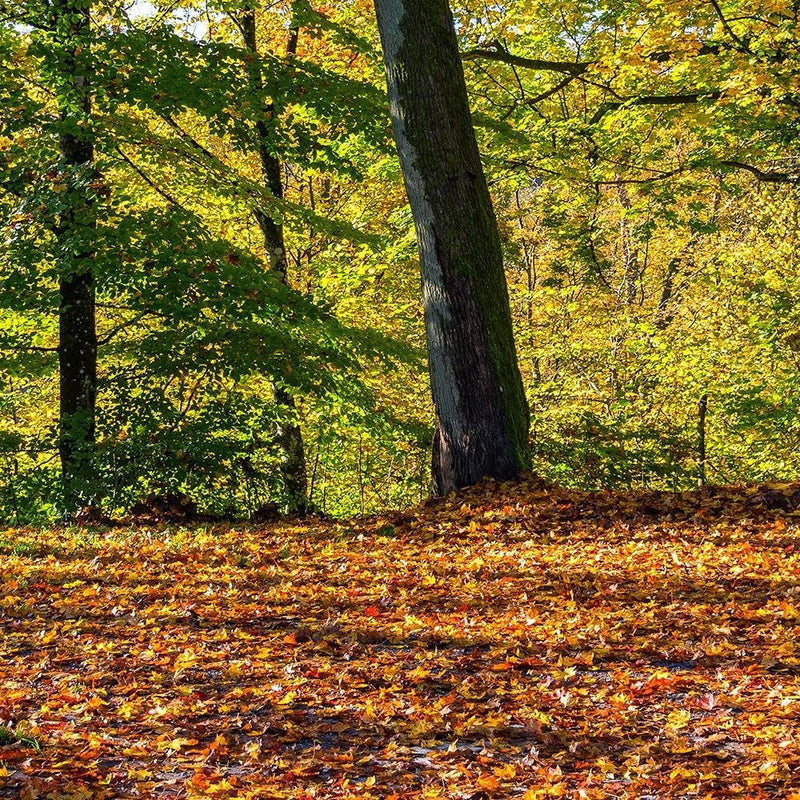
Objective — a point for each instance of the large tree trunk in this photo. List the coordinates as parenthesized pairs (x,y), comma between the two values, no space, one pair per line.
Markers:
(289,436)
(75,234)
(481,411)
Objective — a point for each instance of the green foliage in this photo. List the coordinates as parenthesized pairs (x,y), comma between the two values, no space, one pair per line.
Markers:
(651,246)
(195,333)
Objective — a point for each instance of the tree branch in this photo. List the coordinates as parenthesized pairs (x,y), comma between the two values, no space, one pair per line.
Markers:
(110,334)
(655,100)
(573,68)
(532,101)
(763,176)
(143,175)
(662,176)
(743,46)
(28,348)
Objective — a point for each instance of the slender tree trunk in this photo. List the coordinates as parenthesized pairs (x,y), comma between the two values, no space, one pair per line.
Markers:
(290,438)
(667,307)
(665,312)
(630,253)
(702,412)
(481,412)
(75,233)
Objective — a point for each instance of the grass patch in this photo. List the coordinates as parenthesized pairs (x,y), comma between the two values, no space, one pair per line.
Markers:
(21,734)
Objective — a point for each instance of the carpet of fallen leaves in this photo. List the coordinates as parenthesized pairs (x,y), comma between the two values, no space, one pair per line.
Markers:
(515,641)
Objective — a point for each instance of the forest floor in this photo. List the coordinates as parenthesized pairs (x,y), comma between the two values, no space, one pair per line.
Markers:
(518,641)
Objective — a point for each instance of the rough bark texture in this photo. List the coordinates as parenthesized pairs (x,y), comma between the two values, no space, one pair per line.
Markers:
(481,411)
(77,348)
(289,436)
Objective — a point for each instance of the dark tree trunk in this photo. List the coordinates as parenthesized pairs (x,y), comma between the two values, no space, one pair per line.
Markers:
(665,312)
(702,413)
(75,234)
(481,411)
(289,436)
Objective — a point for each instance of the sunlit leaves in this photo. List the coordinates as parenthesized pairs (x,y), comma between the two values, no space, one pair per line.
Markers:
(516,640)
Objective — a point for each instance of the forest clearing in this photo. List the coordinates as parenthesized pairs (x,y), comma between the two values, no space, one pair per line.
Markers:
(296,299)
(516,641)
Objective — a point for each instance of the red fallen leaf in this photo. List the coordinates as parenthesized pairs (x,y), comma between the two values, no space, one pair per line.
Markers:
(658,680)
(707,701)
(372,611)
(13,754)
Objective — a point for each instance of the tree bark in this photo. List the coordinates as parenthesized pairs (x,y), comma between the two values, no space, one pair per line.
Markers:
(289,436)
(75,234)
(482,415)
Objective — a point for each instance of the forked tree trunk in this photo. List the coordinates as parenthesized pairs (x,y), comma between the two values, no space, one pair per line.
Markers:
(75,234)
(289,436)
(481,411)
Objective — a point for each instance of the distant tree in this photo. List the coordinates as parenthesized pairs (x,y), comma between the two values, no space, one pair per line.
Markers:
(481,412)
(290,438)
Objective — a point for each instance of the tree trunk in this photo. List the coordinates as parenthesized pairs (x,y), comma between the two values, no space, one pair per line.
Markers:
(481,412)
(289,436)
(630,252)
(702,413)
(75,233)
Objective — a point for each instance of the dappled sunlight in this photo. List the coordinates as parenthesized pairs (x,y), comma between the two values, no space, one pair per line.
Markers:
(516,639)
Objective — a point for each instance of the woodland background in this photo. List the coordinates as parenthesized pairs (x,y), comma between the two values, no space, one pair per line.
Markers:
(643,164)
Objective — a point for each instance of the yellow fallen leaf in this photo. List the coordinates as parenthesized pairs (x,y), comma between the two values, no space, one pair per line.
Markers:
(288,698)
(678,719)
(176,744)
(506,771)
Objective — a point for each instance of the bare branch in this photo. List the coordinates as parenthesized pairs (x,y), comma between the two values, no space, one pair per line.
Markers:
(574,68)
(531,101)
(743,46)
(29,348)
(135,167)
